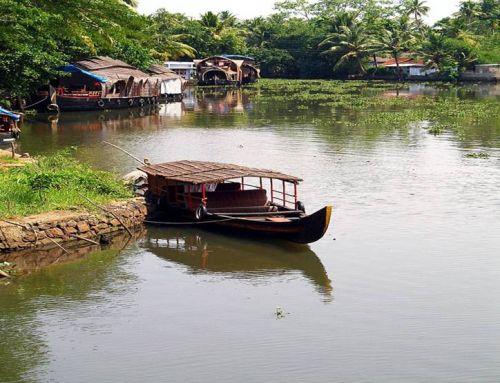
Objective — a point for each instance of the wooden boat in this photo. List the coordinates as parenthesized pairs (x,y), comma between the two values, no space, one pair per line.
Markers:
(103,83)
(9,123)
(235,198)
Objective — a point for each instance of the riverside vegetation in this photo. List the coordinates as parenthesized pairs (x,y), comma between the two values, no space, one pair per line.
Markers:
(54,183)
(302,39)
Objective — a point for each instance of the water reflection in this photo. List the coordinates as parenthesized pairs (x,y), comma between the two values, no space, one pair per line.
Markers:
(218,100)
(29,260)
(69,287)
(205,252)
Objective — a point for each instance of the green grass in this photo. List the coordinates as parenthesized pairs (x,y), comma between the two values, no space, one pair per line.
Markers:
(56,182)
(9,160)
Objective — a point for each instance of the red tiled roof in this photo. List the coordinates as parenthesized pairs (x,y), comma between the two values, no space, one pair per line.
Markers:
(404,60)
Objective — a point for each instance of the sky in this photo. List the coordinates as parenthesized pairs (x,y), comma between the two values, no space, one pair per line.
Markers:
(245,9)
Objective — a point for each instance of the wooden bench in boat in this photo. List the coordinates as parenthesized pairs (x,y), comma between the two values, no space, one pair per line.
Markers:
(235,199)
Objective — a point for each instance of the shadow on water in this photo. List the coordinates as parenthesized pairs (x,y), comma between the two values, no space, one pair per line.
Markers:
(206,252)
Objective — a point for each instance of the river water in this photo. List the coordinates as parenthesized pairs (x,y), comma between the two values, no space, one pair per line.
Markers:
(403,287)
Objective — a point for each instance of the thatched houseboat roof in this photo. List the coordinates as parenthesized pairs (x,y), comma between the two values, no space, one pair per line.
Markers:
(107,70)
(200,172)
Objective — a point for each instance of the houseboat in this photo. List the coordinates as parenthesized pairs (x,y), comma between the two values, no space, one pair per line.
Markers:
(226,70)
(250,73)
(236,198)
(9,123)
(101,83)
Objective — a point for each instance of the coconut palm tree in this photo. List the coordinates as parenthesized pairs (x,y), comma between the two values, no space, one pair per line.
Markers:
(416,8)
(395,39)
(469,10)
(172,48)
(132,3)
(350,44)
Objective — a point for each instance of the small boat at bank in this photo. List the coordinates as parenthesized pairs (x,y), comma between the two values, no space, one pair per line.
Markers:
(8,123)
(236,198)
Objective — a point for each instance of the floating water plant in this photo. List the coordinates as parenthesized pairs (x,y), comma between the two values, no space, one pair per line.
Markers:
(482,155)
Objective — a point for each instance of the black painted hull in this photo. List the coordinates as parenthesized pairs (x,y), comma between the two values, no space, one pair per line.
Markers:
(303,229)
(90,103)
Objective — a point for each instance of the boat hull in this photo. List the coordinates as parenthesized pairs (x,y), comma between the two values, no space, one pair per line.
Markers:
(92,103)
(305,229)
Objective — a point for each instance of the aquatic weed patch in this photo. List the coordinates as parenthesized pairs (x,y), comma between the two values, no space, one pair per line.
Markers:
(378,105)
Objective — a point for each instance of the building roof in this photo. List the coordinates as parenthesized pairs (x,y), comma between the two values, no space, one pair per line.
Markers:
(404,62)
(200,172)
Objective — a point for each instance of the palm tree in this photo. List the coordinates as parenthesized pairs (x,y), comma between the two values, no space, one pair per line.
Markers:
(416,8)
(171,48)
(227,19)
(435,51)
(469,10)
(349,44)
(131,3)
(211,21)
(395,39)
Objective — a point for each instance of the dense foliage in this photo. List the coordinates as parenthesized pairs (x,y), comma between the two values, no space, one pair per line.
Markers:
(55,182)
(306,39)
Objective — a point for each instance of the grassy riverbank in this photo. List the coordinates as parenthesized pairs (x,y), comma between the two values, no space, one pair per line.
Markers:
(54,183)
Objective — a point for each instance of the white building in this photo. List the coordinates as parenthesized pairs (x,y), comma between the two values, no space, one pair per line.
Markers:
(185,69)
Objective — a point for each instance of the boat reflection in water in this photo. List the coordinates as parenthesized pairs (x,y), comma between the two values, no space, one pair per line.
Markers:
(239,258)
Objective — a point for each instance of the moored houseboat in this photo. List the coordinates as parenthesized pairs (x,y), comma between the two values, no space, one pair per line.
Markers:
(250,73)
(102,83)
(219,70)
(233,197)
(227,70)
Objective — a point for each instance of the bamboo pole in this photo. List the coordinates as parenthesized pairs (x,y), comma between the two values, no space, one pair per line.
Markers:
(124,151)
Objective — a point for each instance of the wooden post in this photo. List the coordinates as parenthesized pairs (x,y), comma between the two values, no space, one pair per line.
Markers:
(203,194)
(284,194)
(260,179)
(242,183)
(295,193)
(272,191)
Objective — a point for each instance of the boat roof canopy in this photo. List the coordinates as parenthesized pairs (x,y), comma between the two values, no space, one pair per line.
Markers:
(201,172)
(5,112)
(74,69)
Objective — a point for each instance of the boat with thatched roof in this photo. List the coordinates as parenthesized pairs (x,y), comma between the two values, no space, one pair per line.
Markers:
(101,83)
(226,70)
(233,197)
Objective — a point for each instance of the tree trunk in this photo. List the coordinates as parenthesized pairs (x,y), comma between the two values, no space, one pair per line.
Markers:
(398,69)
(20,103)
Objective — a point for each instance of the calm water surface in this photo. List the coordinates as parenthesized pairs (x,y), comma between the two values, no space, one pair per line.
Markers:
(403,287)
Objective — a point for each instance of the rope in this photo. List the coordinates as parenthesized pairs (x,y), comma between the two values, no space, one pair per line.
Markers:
(187,223)
(36,103)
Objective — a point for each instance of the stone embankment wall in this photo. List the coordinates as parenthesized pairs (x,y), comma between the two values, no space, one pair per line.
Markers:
(58,227)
